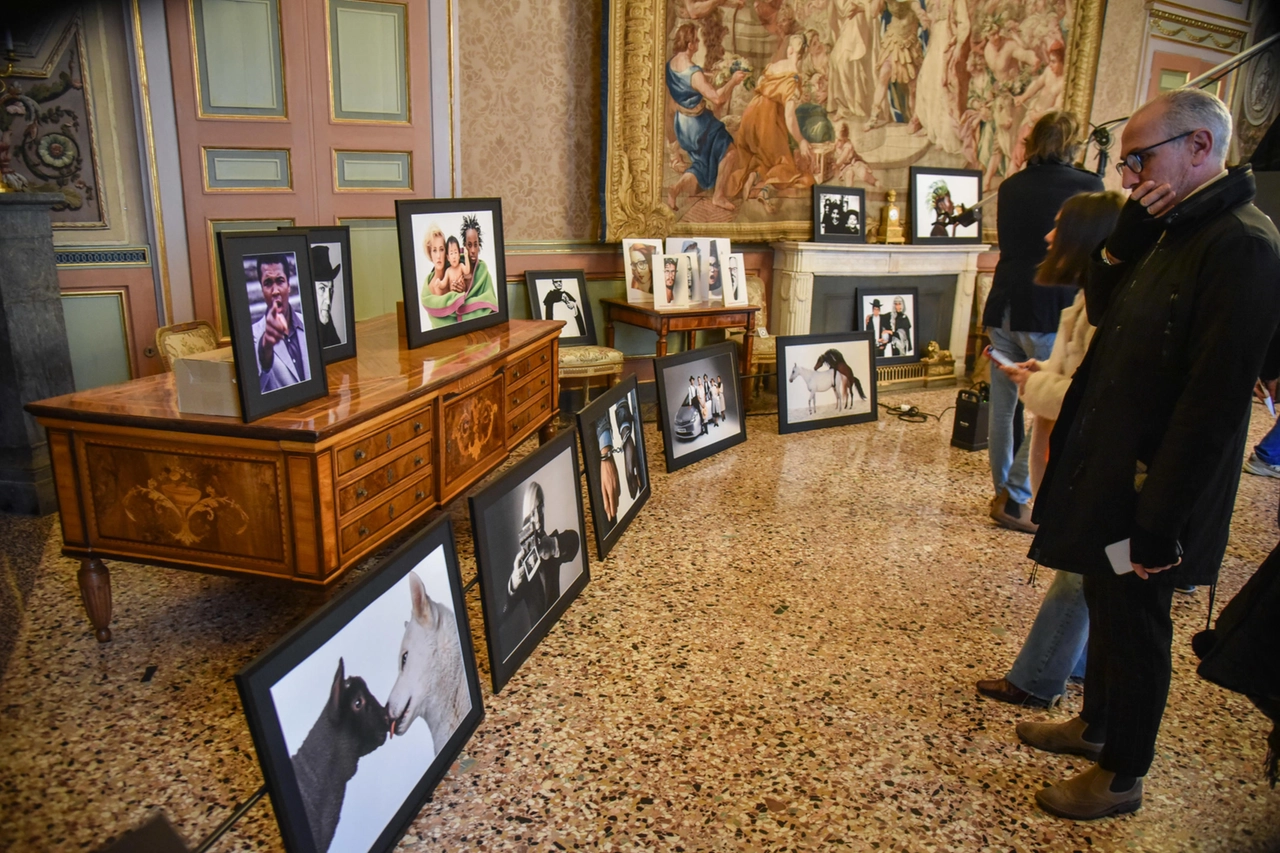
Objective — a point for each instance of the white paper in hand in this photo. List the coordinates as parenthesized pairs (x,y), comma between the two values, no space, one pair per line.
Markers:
(1118,554)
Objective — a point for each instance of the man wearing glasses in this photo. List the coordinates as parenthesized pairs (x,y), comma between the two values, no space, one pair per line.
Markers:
(1145,458)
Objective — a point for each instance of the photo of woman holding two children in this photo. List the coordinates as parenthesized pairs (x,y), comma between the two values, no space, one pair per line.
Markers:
(458,285)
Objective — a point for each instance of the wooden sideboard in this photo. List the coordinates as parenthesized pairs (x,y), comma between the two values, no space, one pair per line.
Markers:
(304,494)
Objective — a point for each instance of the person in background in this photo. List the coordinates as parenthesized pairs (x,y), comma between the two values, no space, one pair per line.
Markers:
(1055,649)
(1145,459)
(1021,317)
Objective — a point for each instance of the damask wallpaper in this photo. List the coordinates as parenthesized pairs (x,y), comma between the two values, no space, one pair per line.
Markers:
(530,113)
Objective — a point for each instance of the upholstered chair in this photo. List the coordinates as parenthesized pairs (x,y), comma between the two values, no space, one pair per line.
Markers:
(173,342)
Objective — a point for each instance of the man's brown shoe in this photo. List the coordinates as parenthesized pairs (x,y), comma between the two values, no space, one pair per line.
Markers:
(1088,796)
(1064,738)
(1003,690)
(1007,512)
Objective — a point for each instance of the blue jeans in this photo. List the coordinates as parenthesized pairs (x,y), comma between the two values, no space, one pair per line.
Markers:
(1268,450)
(1056,647)
(1007,471)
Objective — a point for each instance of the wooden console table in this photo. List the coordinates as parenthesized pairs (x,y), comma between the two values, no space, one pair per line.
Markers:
(699,316)
(304,494)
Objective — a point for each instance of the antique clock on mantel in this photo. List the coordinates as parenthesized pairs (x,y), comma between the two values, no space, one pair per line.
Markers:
(891,220)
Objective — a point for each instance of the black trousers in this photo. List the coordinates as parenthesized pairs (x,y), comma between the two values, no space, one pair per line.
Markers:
(1126,680)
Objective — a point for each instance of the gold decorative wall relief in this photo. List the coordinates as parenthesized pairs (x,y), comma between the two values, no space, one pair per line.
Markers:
(723,115)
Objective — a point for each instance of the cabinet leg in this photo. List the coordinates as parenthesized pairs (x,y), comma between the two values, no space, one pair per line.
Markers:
(547,432)
(95,591)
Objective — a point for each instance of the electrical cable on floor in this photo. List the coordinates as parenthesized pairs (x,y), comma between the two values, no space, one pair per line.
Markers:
(912,414)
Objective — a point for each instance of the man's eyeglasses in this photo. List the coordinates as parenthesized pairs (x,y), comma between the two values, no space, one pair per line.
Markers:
(1134,160)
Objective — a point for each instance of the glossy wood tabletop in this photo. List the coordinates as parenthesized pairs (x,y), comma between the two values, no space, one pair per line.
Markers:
(383,375)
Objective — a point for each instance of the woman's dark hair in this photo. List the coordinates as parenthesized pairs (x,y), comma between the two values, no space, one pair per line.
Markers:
(1083,223)
(1055,138)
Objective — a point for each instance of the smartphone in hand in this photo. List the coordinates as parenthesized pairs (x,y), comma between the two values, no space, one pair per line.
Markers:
(999,357)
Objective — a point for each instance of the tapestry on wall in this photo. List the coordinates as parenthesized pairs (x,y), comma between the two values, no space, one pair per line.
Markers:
(724,114)
(46,138)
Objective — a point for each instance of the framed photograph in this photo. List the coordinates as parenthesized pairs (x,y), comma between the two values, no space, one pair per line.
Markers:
(617,470)
(735,281)
(679,280)
(699,251)
(639,261)
(530,557)
(357,713)
(938,198)
(271,304)
(889,315)
(830,381)
(838,214)
(562,295)
(700,403)
(718,250)
(335,298)
(452,266)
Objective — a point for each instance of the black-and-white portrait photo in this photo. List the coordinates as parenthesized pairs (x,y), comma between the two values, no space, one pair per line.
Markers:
(326,269)
(839,214)
(562,295)
(530,552)
(735,280)
(700,403)
(614,455)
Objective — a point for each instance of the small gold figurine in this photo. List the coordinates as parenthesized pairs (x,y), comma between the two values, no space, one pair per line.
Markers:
(891,220)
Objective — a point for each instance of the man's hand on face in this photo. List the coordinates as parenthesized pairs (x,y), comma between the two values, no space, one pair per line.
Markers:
(610,489)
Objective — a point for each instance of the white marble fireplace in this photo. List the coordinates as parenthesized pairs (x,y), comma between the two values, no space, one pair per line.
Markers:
(838,268)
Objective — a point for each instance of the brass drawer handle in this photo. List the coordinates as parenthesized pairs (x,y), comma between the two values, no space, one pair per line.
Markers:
(544,358)
(391,476)
(419,495)
(448,445)
(391,510)
(544,381)
(388,441)
(364,531)
(417,460)
(515,401)
(515,374)
(359,455)
(361,493)
(417,427)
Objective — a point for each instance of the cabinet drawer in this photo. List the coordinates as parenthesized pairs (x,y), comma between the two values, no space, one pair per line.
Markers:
(519,422)
(372,445)
(409,500)
(368,487)
(521,392)
(522,367)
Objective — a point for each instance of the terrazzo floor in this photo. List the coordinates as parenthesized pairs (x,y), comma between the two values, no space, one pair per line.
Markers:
(779,654)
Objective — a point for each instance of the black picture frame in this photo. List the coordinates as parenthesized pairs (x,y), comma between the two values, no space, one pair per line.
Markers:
(363,636)
(889,336)
(580,327)
(294,377)
(431,317)
(615,416)
(850,360)
(929,223)
(691,430)
(338,334)
(832,208)
(509,552)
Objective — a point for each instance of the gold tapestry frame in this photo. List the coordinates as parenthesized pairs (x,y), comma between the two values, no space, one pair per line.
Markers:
(634,133)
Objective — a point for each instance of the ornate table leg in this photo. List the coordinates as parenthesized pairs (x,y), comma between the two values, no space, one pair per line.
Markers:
(608,328)
(748,377)
(95,591)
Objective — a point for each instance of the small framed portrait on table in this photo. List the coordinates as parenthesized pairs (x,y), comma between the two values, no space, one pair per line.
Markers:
(335,297)
(562,295)
(271,304)
(452,266)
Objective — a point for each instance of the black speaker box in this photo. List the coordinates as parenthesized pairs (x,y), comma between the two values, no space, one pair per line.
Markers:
(970,428)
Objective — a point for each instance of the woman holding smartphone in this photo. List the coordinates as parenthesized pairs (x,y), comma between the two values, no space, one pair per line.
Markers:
(1055,649)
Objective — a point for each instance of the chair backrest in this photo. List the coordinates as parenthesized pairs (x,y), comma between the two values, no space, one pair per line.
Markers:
(755,294)
(184,339)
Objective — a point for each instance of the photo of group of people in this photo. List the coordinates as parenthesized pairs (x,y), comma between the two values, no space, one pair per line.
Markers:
(699,396)
(838,215)
(452,266)
(890,318)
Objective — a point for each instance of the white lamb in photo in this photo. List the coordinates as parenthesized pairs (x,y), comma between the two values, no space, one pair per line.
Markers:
(432,683)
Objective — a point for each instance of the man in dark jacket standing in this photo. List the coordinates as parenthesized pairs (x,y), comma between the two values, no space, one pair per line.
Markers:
(1146,454)
(1022,317)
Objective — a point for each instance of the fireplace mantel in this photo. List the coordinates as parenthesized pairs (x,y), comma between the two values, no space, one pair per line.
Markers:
(796,264)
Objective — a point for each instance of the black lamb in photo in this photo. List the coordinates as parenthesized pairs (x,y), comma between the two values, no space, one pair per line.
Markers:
(352,724)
